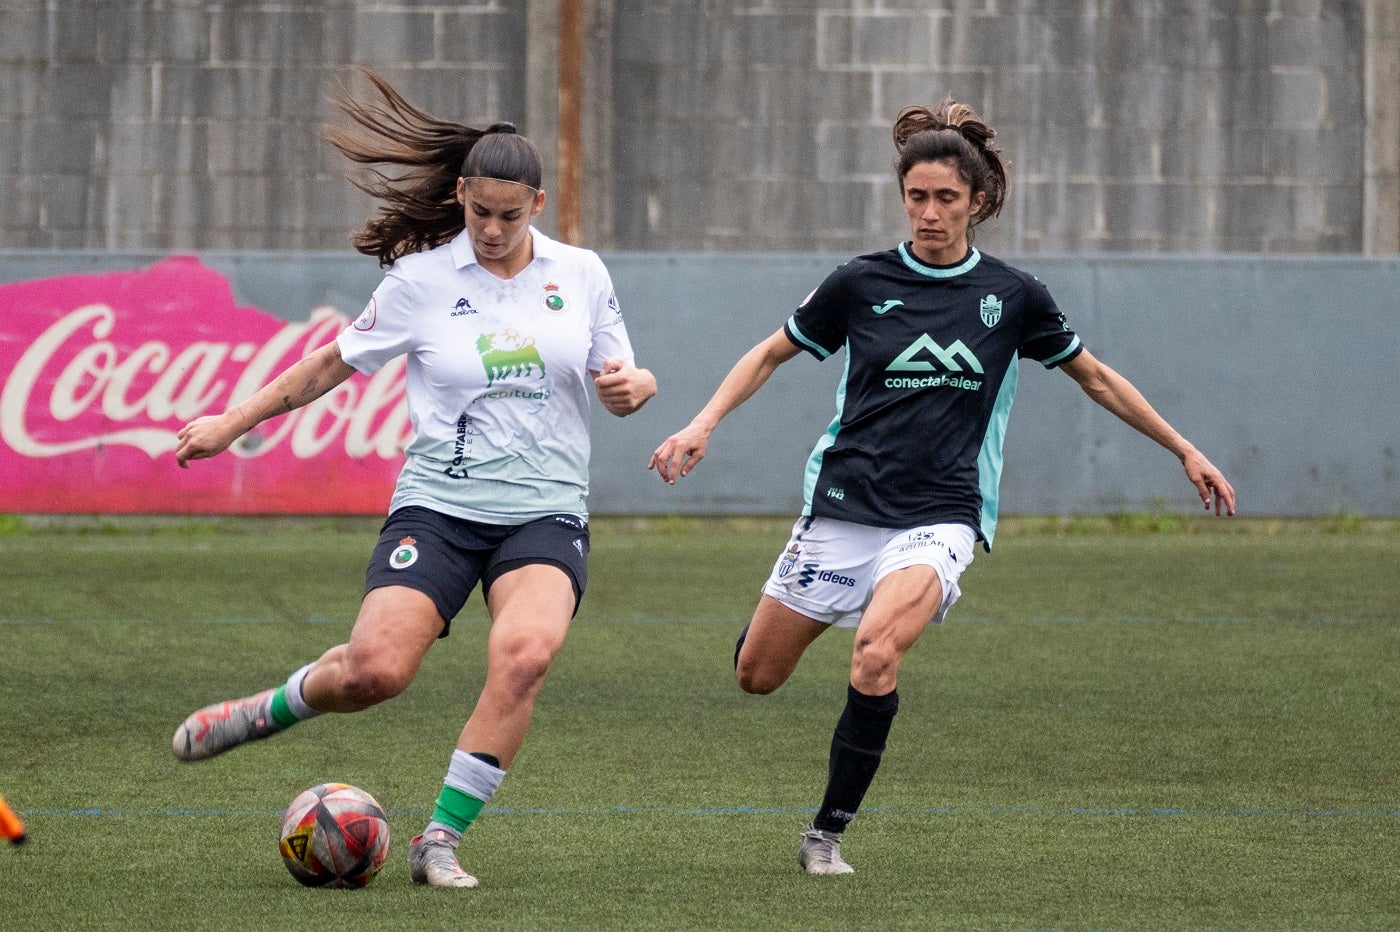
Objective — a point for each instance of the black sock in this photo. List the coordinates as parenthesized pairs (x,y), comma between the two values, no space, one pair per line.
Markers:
(739,645)
(491,759)
(856,747)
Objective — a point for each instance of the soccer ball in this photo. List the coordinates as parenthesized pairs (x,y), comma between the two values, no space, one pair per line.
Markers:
(334,835)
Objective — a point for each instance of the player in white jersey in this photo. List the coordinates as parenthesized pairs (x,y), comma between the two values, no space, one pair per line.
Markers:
(506,334)
(904,482)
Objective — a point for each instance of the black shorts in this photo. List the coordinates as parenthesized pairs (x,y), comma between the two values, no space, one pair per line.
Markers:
(445,557)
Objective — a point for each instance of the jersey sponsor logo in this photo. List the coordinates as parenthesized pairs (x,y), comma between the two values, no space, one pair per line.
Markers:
(466,430)
(554,299)
(509,355)
(367,317)
(893,302)
(462,308)
(990,310)
(952,359)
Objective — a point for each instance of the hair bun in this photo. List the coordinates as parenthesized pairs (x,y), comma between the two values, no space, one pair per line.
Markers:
(503,127)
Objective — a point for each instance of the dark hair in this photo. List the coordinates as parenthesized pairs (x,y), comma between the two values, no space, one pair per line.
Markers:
(953,133)
(420,208)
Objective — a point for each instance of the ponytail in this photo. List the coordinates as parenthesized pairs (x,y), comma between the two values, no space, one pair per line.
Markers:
(420,208)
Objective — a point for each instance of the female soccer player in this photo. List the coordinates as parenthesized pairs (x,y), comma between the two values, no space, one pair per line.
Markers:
(505,330)
(904,482)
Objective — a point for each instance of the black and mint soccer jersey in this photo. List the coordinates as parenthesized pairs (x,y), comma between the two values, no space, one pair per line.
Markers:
(931,356)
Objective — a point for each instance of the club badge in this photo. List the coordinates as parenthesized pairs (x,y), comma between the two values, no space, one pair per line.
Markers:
(554,299)
(404,555)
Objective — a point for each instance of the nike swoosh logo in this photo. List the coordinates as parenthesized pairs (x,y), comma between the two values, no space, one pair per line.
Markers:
(888,305)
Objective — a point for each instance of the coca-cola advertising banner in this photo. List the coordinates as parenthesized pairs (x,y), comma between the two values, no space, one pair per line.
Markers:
(99,373)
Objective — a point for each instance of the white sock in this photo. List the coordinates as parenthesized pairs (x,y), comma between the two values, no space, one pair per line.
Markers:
(296,703)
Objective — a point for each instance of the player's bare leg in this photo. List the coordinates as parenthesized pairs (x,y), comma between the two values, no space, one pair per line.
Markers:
(392,633)
(898,614)
(772,644)
(531,608)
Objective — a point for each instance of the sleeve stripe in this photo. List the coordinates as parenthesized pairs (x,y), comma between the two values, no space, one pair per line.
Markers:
(1060,357)
(798,337)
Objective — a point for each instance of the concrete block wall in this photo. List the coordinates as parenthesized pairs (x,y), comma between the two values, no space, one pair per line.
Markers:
(746,125)
(179,124)
(1188,126)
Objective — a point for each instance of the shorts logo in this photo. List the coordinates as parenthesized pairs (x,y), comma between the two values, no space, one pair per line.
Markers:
(578,545)
(813,572)
(404,555)
(789,560)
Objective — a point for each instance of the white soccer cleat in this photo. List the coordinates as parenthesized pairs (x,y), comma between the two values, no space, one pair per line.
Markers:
(820,853)
(216,728)
(433,861)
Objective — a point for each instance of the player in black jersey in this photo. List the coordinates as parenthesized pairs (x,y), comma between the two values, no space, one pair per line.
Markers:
(904,482)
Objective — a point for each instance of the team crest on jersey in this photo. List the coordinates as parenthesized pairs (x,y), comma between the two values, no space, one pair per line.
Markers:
(367,317)
(554,299)
(991,310)
(404,555)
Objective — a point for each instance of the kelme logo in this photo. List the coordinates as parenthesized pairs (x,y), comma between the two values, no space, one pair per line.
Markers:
(404,555)
(991,310)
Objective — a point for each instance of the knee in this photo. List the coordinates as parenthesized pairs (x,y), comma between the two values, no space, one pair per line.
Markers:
(368,683)
(523,665)
(874,662)
(755,678)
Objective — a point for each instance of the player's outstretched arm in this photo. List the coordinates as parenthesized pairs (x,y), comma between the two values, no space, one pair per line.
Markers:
(1116,394)
(302,383)
(682,451)
(622,387)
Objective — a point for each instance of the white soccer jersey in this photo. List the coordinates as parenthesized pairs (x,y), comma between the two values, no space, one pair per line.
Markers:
(497,380)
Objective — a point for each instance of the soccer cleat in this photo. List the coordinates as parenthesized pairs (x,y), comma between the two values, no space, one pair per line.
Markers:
(433,861)
(820,853)
(216,728)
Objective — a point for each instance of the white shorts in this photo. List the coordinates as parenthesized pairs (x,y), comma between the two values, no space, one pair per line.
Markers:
(829,568)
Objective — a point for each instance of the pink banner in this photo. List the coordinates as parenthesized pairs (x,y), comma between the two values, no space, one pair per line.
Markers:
(99,372)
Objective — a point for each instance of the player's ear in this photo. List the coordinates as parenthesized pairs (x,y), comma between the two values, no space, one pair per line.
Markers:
(539,203)
(462,191)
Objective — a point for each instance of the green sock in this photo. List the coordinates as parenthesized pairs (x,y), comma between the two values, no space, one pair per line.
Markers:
(281,712)
(456,809)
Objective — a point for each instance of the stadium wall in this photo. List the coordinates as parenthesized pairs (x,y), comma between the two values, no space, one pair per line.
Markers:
(1279,368)
(1190,126)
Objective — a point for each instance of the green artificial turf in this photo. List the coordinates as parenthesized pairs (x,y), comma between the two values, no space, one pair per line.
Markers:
(1129,723)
